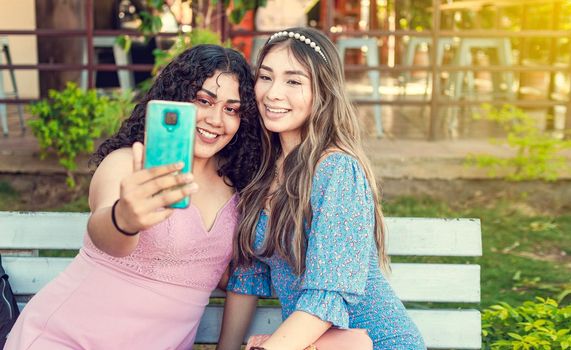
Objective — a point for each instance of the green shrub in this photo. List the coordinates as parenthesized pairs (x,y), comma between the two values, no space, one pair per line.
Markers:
(69,121)
(534,325)
(537,153)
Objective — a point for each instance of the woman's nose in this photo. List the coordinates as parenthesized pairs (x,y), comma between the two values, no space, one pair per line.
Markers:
(214,116)
(274,92)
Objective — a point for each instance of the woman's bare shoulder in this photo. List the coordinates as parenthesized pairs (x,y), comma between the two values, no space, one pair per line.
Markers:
(119,155)
(104,187)
(118,161)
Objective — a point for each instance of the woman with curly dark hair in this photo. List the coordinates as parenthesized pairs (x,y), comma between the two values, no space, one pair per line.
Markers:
(146,271)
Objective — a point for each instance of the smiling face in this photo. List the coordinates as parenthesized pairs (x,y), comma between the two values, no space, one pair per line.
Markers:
(217,119)
(283,92)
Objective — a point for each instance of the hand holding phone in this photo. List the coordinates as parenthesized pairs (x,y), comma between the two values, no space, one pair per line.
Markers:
(169,137)
(146,194)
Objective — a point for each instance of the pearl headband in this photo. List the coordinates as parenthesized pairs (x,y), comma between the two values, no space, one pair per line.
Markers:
(301,38)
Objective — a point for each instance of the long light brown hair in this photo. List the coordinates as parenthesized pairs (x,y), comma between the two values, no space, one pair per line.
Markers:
(332,125)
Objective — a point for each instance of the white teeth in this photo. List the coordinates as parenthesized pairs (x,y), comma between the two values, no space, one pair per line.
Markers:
(206,133)
(277,110)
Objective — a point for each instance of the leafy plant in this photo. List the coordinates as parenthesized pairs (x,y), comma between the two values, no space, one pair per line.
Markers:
(536,155)
(183,42)
(68,122)
(151,22)
(415,15)
(119,107)
(240,7)
(542,324)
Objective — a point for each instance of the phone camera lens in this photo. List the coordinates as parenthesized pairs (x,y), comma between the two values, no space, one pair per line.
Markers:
(171,118)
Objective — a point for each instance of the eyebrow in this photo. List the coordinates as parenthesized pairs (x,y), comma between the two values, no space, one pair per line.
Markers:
(289,72)
(213,95)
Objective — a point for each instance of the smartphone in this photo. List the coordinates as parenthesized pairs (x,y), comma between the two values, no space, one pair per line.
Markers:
(169,137)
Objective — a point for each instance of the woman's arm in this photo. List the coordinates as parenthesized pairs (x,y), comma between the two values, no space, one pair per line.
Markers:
(223,283)
(245,285)
(297,332)
(143,195)
(238,312)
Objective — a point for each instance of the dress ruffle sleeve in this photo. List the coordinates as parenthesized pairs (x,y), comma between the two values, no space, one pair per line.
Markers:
(328,306)
(252,280)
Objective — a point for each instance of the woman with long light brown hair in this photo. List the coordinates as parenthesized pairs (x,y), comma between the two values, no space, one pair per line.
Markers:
(311,223)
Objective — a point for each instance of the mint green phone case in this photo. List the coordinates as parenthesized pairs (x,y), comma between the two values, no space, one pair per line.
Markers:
(169,136)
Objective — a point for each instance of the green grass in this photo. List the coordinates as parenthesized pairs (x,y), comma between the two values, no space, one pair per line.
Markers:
(524,255)
(10,201)
(79,206)
(9,198)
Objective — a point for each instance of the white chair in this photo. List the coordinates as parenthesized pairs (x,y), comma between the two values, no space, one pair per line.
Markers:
(463,57)
(122,57)
(413,44)
(372,61)
(4,45)
(461,83)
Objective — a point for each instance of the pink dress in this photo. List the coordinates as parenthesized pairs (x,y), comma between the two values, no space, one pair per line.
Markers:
(151,299)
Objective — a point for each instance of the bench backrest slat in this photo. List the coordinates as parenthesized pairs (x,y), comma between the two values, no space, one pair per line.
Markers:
(436,282)
(42,230)
(412,282)
(406,236)
(434,237)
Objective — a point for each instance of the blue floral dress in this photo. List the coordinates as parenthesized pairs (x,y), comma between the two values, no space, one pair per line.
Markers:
(342,283)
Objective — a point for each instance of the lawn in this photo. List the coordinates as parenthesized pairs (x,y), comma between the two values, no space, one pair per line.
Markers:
(525,254)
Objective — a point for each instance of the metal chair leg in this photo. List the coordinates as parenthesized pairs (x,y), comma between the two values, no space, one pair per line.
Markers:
(3,109)
(15,87)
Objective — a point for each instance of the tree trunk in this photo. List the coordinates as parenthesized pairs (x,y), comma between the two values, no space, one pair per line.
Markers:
(208,16)
(59,14)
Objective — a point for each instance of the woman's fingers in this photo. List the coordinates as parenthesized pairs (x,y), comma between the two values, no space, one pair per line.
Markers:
(142,176)
(166,198)
(138,150)
(163,183)
(147,212)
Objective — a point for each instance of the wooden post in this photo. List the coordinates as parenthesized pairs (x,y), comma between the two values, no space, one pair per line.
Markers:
(567,127)
(89,44)
(329,9)
(522,47)
(224,23)
(435,95)
(553,51)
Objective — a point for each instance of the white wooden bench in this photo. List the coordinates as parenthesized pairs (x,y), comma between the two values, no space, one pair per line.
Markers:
(22,233)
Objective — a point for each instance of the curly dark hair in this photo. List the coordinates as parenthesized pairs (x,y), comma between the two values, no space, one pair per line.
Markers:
(180,81)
